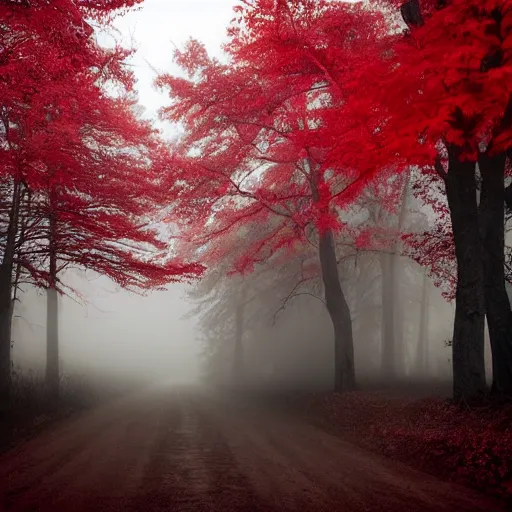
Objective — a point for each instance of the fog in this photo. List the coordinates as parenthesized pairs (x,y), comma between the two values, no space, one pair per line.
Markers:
(300,186)
(287,338)
(113,331)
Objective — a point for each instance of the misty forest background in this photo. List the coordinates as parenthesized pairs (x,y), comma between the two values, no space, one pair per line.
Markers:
(98,196)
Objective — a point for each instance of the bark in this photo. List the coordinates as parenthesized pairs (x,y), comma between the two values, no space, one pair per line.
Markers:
(344,373)
(6,304)
(468,333)
(336,303)
(52,343)
(411,13)
(508,196)
(238,359)
(497,305)
(52,321)
(5,332)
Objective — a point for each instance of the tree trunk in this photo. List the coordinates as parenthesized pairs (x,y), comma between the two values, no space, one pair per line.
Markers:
(6,305)
(497,305)
(238,359)
(388,333)
(52,320)
(411,13)
(52,343)
(5,332)
(468,333)
(336,303)
(422,348)
(393,361)
(344,373)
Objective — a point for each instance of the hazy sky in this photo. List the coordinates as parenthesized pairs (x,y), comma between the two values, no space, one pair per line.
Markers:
(160,26)
(116,329)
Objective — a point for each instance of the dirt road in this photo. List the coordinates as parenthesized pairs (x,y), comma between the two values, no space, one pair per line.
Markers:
(175,451)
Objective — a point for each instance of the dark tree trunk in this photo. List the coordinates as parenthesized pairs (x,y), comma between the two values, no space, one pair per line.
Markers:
(6,304)
(5,332)
(52,343)
(344,373)
(238,356)
(411,13)
(508,194)
(468,333)
(497,305)
(52,319)
(335,301)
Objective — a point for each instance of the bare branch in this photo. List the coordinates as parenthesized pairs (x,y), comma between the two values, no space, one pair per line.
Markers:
(291,295)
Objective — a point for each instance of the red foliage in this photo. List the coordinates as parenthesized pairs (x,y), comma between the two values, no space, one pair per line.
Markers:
(443,84)
(86,168)
(256,161)
(434,248)
(447,81)
(473,447)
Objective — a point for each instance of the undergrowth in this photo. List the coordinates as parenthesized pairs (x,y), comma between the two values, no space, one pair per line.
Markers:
(469,446)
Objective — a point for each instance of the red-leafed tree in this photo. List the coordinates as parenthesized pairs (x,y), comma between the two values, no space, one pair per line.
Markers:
(38,40)
(254,157)
(80,170)
(433,248)
(441,100)
(94,197)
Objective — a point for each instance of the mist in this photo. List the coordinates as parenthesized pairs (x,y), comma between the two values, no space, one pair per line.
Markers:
(286,335)
(106,330)
(286,339)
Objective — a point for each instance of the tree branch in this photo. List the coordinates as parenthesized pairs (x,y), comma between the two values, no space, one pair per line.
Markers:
(291,295)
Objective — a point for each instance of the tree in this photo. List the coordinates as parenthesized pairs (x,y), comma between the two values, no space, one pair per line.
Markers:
(432,247)
(88,164)
(271,298)
(254,155)
(383,230)
(447,110)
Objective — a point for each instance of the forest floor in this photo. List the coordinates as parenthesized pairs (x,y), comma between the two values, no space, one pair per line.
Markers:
(417,425)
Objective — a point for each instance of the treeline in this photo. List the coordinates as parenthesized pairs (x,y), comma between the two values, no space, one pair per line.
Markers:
(313,128)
